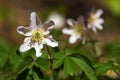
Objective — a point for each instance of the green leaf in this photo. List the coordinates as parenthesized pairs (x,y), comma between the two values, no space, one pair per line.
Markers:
(59,54)
(85,67)
(58,62)
(69,51)
(43,63)
(101,68)
(70,67)
(35,76)
(23,75)
(4,51)
(37,71)
(27,61)
(58,59)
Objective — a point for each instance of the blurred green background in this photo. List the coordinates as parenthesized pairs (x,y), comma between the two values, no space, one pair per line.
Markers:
(14,13)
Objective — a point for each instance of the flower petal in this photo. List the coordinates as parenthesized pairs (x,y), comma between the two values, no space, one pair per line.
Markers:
(58,19)
(94,29)
(26,45)
(100,20)
(73,39)
(98,13)
(98,25)
(48,25)
(80,20)
(47,32)
(68,31)
(26,31)
(35,22)
(71,22)
(89,26)
(50,42)
(38,48)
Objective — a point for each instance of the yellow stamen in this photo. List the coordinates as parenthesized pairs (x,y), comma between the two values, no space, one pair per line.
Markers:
(92,18)
(37,35)
(78,29)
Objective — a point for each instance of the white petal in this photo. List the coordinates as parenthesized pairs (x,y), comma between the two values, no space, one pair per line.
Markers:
(73,39)
(46,32)
(26,45)
(89,26)
(51,42)
(98,13)
(35,22)
(70,22)
(67,31)
(94,29)
(99,26)
(48,25)
(38,48)
(58,19)
(100,20)
(26,31)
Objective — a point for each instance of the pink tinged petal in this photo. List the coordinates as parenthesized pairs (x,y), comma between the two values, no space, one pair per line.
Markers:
(26,45)
(35,22)
(73,39)
(67,31)
(71,22)
(51,42)
(26,31)
(98,13)
(38,48)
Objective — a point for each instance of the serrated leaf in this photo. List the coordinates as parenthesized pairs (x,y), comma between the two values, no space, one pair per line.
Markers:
(43,63)
(85,67)
(58,59)
(58,62)
(70,67)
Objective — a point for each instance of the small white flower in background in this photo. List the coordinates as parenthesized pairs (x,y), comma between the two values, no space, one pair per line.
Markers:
(94,20)
(37,35)
(76,31)
(58,19)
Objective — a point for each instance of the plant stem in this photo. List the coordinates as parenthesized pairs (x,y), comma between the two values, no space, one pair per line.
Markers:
(51,61)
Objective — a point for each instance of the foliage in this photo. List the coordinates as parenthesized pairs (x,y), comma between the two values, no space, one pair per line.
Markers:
(79,61)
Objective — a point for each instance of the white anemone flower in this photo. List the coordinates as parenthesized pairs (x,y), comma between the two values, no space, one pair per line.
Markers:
(58,19)
(94,20)
(36,35)
(76,31)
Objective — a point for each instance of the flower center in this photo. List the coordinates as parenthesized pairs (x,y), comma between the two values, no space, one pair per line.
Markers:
(78,29)
(92,18)
(37,35)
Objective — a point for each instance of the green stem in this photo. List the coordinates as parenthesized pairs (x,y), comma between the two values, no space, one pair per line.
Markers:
(50,56)
(51,61)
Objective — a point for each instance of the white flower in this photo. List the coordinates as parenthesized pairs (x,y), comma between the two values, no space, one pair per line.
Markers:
(58,19)
(94,20)
(36,35)
(77,30)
